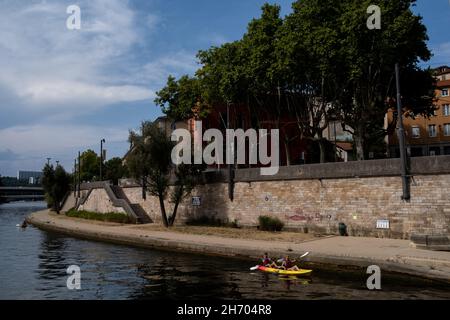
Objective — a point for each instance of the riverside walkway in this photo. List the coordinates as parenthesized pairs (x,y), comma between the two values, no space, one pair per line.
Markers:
(389,254)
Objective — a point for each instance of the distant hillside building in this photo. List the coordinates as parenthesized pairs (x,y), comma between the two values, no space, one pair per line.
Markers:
(33,177)
(427,136)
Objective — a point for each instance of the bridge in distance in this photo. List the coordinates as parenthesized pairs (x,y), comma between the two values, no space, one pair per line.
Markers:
(10,194)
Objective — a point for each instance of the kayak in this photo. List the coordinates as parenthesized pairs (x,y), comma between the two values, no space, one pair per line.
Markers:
(301,272)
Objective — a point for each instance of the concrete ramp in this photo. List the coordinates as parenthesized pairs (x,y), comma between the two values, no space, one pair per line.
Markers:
(69,203)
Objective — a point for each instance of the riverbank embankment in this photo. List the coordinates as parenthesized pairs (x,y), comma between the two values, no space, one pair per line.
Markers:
(391,255)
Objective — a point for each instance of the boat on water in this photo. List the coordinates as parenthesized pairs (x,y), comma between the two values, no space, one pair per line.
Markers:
(301,272)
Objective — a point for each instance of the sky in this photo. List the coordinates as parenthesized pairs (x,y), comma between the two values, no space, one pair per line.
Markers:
(62,91)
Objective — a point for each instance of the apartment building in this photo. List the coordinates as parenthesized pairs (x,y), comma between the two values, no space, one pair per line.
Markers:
(427,136)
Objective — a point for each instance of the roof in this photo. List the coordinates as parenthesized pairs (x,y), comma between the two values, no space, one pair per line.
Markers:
(162,118)
(442,70)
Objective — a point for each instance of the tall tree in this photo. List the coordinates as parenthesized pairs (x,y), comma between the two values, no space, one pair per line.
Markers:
(56,184)
(369,56)
(222,74)
(243,72)
(150,162)
(307,52)
(318,63)
(182,99)
(90,166)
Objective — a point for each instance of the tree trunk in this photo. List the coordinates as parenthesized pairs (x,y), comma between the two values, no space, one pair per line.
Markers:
(174,214)
(144,188)
(358,137)
(178,198)
(163,211)
(322,150)
(57,209)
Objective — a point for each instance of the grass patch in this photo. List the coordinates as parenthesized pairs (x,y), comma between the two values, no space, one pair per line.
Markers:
(211,222)
(108,217)
(267,223)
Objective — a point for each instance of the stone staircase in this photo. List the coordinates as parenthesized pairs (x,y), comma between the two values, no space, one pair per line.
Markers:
(118,198)
(139,212)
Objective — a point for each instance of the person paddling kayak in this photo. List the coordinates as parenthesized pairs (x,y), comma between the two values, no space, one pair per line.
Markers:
(267,262)
(288,264)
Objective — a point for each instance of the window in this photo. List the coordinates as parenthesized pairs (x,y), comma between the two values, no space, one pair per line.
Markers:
(432,130)
(446,108)
(415,132)
(445,92)
(447,129)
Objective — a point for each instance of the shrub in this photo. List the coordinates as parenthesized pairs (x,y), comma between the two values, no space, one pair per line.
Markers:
(267,223)
(109,217)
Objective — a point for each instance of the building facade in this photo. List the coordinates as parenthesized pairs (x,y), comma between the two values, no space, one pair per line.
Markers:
(32,177)
(427,136)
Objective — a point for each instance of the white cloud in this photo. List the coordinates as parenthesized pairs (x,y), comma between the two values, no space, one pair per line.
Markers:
(47,65)
(33,144)
(173,64)
(50,138)
(57,93)
(50,75)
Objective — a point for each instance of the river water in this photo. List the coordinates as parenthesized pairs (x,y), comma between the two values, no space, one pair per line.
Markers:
(33,265)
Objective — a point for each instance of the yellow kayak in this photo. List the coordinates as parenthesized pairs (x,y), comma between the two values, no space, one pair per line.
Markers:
(301,272)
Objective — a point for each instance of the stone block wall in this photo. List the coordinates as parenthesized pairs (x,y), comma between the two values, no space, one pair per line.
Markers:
(99,201)
(318,197)
(319,205)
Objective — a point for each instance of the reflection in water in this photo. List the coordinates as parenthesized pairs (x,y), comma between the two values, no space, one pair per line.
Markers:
(33,265)
(52,257)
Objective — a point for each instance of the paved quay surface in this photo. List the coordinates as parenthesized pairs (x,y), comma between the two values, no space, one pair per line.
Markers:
(389,254)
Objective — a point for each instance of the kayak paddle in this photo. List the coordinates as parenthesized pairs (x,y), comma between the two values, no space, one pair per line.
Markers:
(304,255)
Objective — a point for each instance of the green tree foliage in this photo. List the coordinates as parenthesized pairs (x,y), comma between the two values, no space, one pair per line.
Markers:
(115,170)
(56,184)
(306,53)
(320,62)
(368,59)
(150,162)
(90,166)
(222,74)
(48,181)
(182,99)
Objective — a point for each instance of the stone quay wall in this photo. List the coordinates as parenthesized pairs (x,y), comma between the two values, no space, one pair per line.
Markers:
(316,198)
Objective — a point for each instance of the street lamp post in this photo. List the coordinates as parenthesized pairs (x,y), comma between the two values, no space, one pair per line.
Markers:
(401,138)
(335,141)
(75,178)
(101,158)
(48,161)
(230,167)
(79,174)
